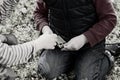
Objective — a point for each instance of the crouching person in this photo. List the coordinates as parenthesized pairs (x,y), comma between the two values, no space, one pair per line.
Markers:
(83,24)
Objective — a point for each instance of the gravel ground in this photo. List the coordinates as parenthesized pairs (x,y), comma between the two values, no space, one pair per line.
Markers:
(21,24)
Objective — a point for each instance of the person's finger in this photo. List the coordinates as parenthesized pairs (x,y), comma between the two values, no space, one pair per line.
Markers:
(53,47)
(55,44)
(66,47)
(54,35)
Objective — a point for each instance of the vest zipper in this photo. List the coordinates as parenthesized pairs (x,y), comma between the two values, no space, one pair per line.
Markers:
(65,11)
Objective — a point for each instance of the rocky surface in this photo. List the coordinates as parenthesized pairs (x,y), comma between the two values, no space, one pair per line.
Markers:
(21,23)
(114,37)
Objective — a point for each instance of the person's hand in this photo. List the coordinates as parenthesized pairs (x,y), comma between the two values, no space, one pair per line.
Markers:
(10,39)
(3,38)
(46,29)
(45,41)
(75,43)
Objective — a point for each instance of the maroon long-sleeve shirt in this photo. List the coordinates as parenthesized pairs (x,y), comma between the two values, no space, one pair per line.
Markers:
(106,15)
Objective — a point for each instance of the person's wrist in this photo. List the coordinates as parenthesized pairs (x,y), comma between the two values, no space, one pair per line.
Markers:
(46,29)
(36,46)
(85,38)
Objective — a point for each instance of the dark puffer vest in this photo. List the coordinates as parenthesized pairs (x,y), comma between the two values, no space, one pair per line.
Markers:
(70,18)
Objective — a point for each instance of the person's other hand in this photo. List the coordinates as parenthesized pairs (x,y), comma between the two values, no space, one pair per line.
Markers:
(10,39)
(46,29)
(75,43)
(3,38)
(46,41)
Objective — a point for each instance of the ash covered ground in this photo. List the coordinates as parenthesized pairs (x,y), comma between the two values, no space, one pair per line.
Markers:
(21,24)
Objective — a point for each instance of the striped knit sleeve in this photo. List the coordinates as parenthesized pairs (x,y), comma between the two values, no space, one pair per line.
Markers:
(6,8)
(17,54)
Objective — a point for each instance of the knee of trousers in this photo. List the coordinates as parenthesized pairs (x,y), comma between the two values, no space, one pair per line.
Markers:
(45,71)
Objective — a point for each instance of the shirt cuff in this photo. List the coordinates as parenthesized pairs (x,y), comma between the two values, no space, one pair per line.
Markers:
(90,38)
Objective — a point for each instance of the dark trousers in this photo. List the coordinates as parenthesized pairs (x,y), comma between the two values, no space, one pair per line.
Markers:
(88,64)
